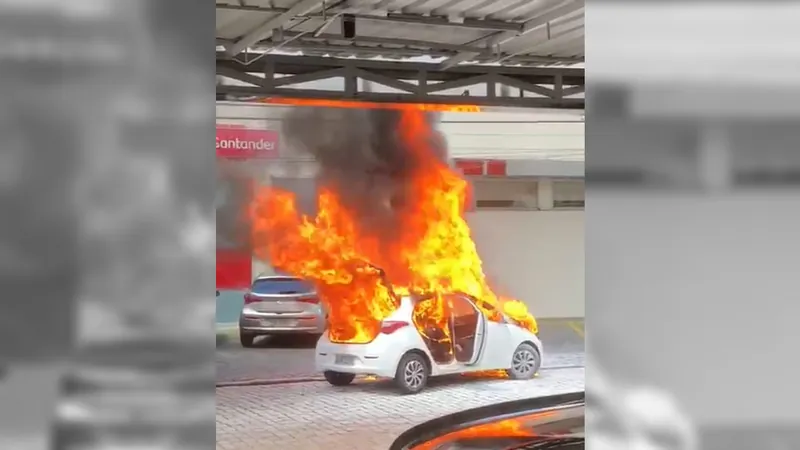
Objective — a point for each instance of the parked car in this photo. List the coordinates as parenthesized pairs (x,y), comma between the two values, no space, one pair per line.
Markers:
(400,351)
(280,305)
(555,422)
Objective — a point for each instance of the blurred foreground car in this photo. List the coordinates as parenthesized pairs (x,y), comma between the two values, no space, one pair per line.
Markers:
(280,305)
(553,423)
(400,351)
(137,379)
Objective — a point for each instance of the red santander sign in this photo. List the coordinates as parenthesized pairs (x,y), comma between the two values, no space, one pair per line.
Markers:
(246,143)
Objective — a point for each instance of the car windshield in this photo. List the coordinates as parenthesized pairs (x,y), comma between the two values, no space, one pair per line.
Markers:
(284,285)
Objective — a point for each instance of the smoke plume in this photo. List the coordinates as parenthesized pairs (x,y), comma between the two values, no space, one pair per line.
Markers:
(363,158)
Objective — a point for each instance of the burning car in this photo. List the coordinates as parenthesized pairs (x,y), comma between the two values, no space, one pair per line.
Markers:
(410,347)
(389,252)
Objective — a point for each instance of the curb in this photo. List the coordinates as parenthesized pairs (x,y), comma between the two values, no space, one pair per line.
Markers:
(268,382)
(277,381)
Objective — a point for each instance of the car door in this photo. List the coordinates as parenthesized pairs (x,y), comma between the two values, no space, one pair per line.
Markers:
(468,327)
(499,344)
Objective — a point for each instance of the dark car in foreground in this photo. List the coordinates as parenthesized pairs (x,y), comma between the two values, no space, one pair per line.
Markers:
(147,390)
(554,423)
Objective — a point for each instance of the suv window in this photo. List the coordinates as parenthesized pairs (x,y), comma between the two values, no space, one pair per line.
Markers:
(282,285)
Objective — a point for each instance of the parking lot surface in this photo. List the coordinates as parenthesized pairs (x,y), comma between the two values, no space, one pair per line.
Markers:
(365,416)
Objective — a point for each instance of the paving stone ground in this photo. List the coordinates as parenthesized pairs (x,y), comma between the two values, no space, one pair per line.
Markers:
(364,416)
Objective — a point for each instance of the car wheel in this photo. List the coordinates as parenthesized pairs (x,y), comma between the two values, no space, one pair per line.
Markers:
(339,378)
(412,373)
(246,339)
(525,362)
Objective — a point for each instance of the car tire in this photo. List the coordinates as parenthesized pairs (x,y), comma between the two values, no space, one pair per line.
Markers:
(412,373)
(339,378)
(525,362)
(247,339)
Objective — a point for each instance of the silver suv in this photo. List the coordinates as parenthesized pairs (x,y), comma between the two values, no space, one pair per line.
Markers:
(280,304)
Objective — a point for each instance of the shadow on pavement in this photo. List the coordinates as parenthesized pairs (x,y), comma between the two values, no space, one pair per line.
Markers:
(231,340)
(287,341)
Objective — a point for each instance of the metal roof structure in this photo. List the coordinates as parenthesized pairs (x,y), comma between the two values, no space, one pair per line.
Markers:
(521,52)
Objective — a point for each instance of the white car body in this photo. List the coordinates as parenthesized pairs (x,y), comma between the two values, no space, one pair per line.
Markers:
(495,345)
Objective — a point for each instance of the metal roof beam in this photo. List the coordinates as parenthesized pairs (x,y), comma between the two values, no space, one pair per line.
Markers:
(288,64)
(540,45)
(363,51)
(260,32)
(295,40)
(383,41)
(416,82)
(367,51)
(477,24)
(495,39)
(383,97)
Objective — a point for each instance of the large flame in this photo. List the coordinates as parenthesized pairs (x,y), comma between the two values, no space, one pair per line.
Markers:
(432,253)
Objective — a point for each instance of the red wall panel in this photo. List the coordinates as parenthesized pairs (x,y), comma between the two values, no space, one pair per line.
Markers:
(234,269)
(470,166)
(496,168)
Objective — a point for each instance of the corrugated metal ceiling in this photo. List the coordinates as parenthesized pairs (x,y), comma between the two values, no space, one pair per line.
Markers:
(513,32)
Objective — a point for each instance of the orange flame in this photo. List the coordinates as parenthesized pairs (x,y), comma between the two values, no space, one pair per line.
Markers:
(433,253)
(322,103)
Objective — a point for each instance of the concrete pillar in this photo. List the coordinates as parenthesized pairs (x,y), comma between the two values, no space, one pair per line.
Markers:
(714,157)
(544,194)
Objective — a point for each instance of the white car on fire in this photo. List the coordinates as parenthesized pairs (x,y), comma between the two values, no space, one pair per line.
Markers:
(400,351)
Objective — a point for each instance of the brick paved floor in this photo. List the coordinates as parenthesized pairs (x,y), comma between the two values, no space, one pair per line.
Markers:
(364,416)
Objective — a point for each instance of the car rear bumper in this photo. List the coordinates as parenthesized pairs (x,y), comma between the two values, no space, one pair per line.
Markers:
(378,358)
(361,369)
(266,323)
(283,330)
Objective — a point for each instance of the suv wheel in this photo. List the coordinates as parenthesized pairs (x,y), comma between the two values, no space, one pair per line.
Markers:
(246,338)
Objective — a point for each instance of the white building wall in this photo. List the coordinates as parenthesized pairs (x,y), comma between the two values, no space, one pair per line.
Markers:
(535,256)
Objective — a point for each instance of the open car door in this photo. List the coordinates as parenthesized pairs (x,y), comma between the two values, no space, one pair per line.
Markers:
(468,327)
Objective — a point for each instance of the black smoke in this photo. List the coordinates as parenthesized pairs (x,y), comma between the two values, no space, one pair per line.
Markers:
(363,156)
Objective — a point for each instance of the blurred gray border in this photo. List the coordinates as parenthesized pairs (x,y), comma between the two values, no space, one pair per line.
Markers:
(692,215)
(107,241)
